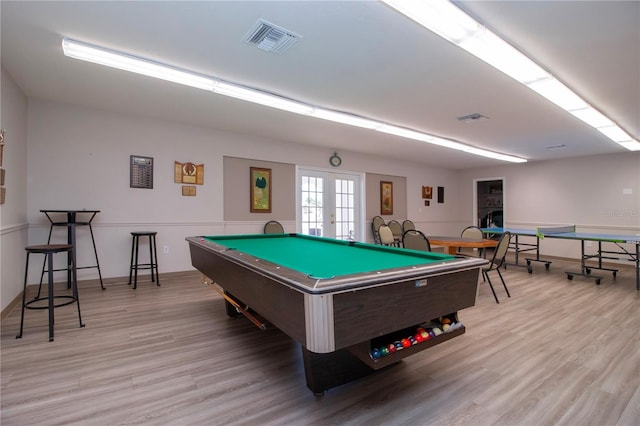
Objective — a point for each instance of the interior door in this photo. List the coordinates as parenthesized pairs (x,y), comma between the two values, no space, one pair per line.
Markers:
(329,204)
(489,206)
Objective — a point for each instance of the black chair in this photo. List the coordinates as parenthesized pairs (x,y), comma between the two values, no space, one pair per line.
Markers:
(497,262)
(376,223)
(153,258)
(415,240)
(273,227)
(408,225)
(49,250)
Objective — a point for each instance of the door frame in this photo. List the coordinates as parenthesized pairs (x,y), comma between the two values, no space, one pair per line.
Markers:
(475,198)
(360,213)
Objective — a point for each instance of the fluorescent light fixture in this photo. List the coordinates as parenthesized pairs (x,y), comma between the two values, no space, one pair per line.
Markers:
(262,98)
(110,58)
(438,16)
(615,133)
(451,23)
(592,117)
(424,137)
(501,55)
(341,117)
(558,93)
(405,133)
(631,145)
(114,59)
(494,155)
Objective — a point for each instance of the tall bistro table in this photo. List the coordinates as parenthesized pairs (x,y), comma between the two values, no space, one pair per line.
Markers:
(72,219)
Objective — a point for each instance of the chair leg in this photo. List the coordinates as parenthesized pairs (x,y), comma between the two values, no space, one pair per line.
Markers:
(486,274)
(503,283)
(24,297)
(50,295)
(133,244)
(75,292)
(135,272)
(153,272)
(155,261)
(95,251)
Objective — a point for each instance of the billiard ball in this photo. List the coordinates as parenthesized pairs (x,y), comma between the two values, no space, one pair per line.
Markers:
(445,327)
(431,333)
(399,346)
(375,353)
(419,338)
(437,331)
(445,321)
(391,348)
(405,343)
(384,351)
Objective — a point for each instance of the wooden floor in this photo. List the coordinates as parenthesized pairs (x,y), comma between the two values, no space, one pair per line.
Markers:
(557,352)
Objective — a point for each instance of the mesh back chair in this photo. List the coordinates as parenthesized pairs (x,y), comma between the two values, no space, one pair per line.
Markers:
(386,236)
(472,232)
(415,240)
(497,262)
(396,229)
(408,225)
(376,223)
(273,227)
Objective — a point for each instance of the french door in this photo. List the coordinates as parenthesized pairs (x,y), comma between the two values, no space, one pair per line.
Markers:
(329,204)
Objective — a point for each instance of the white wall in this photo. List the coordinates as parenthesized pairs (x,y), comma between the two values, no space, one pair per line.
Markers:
(79,158)
(597,194)
(13,218)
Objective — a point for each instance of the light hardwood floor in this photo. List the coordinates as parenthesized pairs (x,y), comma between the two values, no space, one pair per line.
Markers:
(557,352)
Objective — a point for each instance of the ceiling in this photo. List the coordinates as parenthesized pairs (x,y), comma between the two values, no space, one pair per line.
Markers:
(359,57)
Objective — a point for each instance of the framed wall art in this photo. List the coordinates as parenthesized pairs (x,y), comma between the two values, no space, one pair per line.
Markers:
(260,190)
(386,197)
(427,192)
(140,172)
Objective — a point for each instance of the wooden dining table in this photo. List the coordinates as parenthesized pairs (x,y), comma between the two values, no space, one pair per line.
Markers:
(453,243)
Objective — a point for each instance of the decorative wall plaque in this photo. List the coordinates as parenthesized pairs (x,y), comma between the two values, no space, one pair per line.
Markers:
(141,172)
(188,173)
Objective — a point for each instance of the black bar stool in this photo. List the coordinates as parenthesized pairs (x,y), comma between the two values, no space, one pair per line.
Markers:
(153,258)
(48,250)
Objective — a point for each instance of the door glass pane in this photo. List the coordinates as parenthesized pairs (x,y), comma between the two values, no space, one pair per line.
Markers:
(312,214)
(345,210)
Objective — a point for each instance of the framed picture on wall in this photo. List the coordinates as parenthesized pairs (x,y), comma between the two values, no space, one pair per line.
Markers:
(260,190)
(386,197)
(427,192)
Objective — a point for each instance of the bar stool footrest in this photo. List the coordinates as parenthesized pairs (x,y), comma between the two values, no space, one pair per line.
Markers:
(69,300)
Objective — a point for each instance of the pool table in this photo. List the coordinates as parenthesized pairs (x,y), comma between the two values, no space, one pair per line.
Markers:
(338,299)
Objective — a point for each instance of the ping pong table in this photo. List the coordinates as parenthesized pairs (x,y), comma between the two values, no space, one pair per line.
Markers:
(569,233)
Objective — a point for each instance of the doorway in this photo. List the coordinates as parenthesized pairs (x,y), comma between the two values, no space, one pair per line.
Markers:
(489,205)
(329,204)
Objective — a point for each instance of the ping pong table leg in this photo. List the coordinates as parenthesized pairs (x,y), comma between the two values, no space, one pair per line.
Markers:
(583,271)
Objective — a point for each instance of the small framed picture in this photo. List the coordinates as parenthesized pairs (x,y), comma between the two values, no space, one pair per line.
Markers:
(386,197)
(260,190)
(427,192)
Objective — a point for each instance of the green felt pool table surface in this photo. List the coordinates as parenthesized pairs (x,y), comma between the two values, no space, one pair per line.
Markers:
(324,257)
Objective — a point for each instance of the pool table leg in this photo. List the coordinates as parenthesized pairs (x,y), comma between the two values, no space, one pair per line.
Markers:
(328,370)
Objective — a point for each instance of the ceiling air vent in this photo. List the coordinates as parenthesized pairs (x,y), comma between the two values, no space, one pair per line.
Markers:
(269,37)
(471,118)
